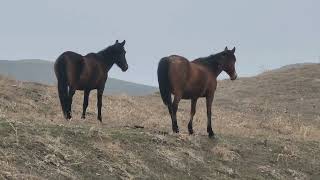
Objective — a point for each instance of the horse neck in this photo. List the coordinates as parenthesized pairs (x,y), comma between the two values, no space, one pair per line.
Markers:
(107,61)
(108,65)
(211,63)
(216,70)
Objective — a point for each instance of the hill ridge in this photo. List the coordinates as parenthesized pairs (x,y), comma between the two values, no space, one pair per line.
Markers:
(41,71)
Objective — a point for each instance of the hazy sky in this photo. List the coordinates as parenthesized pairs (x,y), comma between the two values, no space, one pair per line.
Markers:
(266,34)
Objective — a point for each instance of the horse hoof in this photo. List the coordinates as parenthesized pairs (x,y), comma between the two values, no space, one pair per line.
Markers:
(83,117)
(190,131)
(68,116)
(211,135)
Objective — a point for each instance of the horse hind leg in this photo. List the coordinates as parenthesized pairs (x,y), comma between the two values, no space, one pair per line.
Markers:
(174,109)
(192,113)
(85,103)
(70,96)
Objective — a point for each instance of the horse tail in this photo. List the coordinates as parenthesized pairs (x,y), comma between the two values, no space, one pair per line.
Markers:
(60,71)
(163,80)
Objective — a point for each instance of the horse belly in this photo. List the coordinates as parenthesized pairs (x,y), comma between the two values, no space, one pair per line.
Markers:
(89,80)
(196,85)
(90,85)
(193,92)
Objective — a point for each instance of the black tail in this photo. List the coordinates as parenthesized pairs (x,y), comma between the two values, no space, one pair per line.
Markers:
(163,80)
(60,71)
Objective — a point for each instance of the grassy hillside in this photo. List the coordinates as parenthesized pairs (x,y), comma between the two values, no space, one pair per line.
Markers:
(42,72)
(268,127)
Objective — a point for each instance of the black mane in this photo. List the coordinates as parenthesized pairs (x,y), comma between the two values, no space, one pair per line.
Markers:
(212,60)
(106,53)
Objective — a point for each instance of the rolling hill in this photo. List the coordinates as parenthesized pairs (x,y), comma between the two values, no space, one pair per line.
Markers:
(267,126)
(41,71)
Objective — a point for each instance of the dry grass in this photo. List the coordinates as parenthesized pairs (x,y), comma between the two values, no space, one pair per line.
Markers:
(267,124)
(225,153)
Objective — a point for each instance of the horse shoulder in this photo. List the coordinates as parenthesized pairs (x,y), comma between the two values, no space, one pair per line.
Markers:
(212,83)
(207,77)
(99,71)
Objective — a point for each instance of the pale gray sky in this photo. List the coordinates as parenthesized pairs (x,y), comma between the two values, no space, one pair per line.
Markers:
(267,34)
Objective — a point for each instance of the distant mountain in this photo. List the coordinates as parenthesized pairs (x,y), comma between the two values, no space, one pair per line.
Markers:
(36,70)
(289,67)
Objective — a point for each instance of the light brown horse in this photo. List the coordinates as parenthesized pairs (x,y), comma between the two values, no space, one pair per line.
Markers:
(77,72)
(191,80)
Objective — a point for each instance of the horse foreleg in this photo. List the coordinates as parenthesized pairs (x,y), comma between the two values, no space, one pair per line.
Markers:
(209,100)
(192,113)
(99,103)
(85,103)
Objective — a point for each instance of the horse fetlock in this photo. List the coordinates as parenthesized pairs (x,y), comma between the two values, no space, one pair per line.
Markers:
(190,129)
(210,132)
(175,129)
(211,135)
(68,115)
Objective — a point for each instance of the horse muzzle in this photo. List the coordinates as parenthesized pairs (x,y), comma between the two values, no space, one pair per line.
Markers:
(125,68)
(234,76)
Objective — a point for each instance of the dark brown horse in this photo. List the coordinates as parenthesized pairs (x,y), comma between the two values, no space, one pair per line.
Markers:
(77,72)
(191,80)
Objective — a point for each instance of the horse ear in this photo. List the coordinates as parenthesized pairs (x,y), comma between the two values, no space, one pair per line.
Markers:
(233,50)
(123,43)
(226,48)
(117,42)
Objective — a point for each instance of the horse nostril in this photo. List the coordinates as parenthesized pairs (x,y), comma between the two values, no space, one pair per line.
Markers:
(125,68)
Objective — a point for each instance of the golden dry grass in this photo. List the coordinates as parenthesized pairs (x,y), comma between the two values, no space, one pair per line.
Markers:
(267,124)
